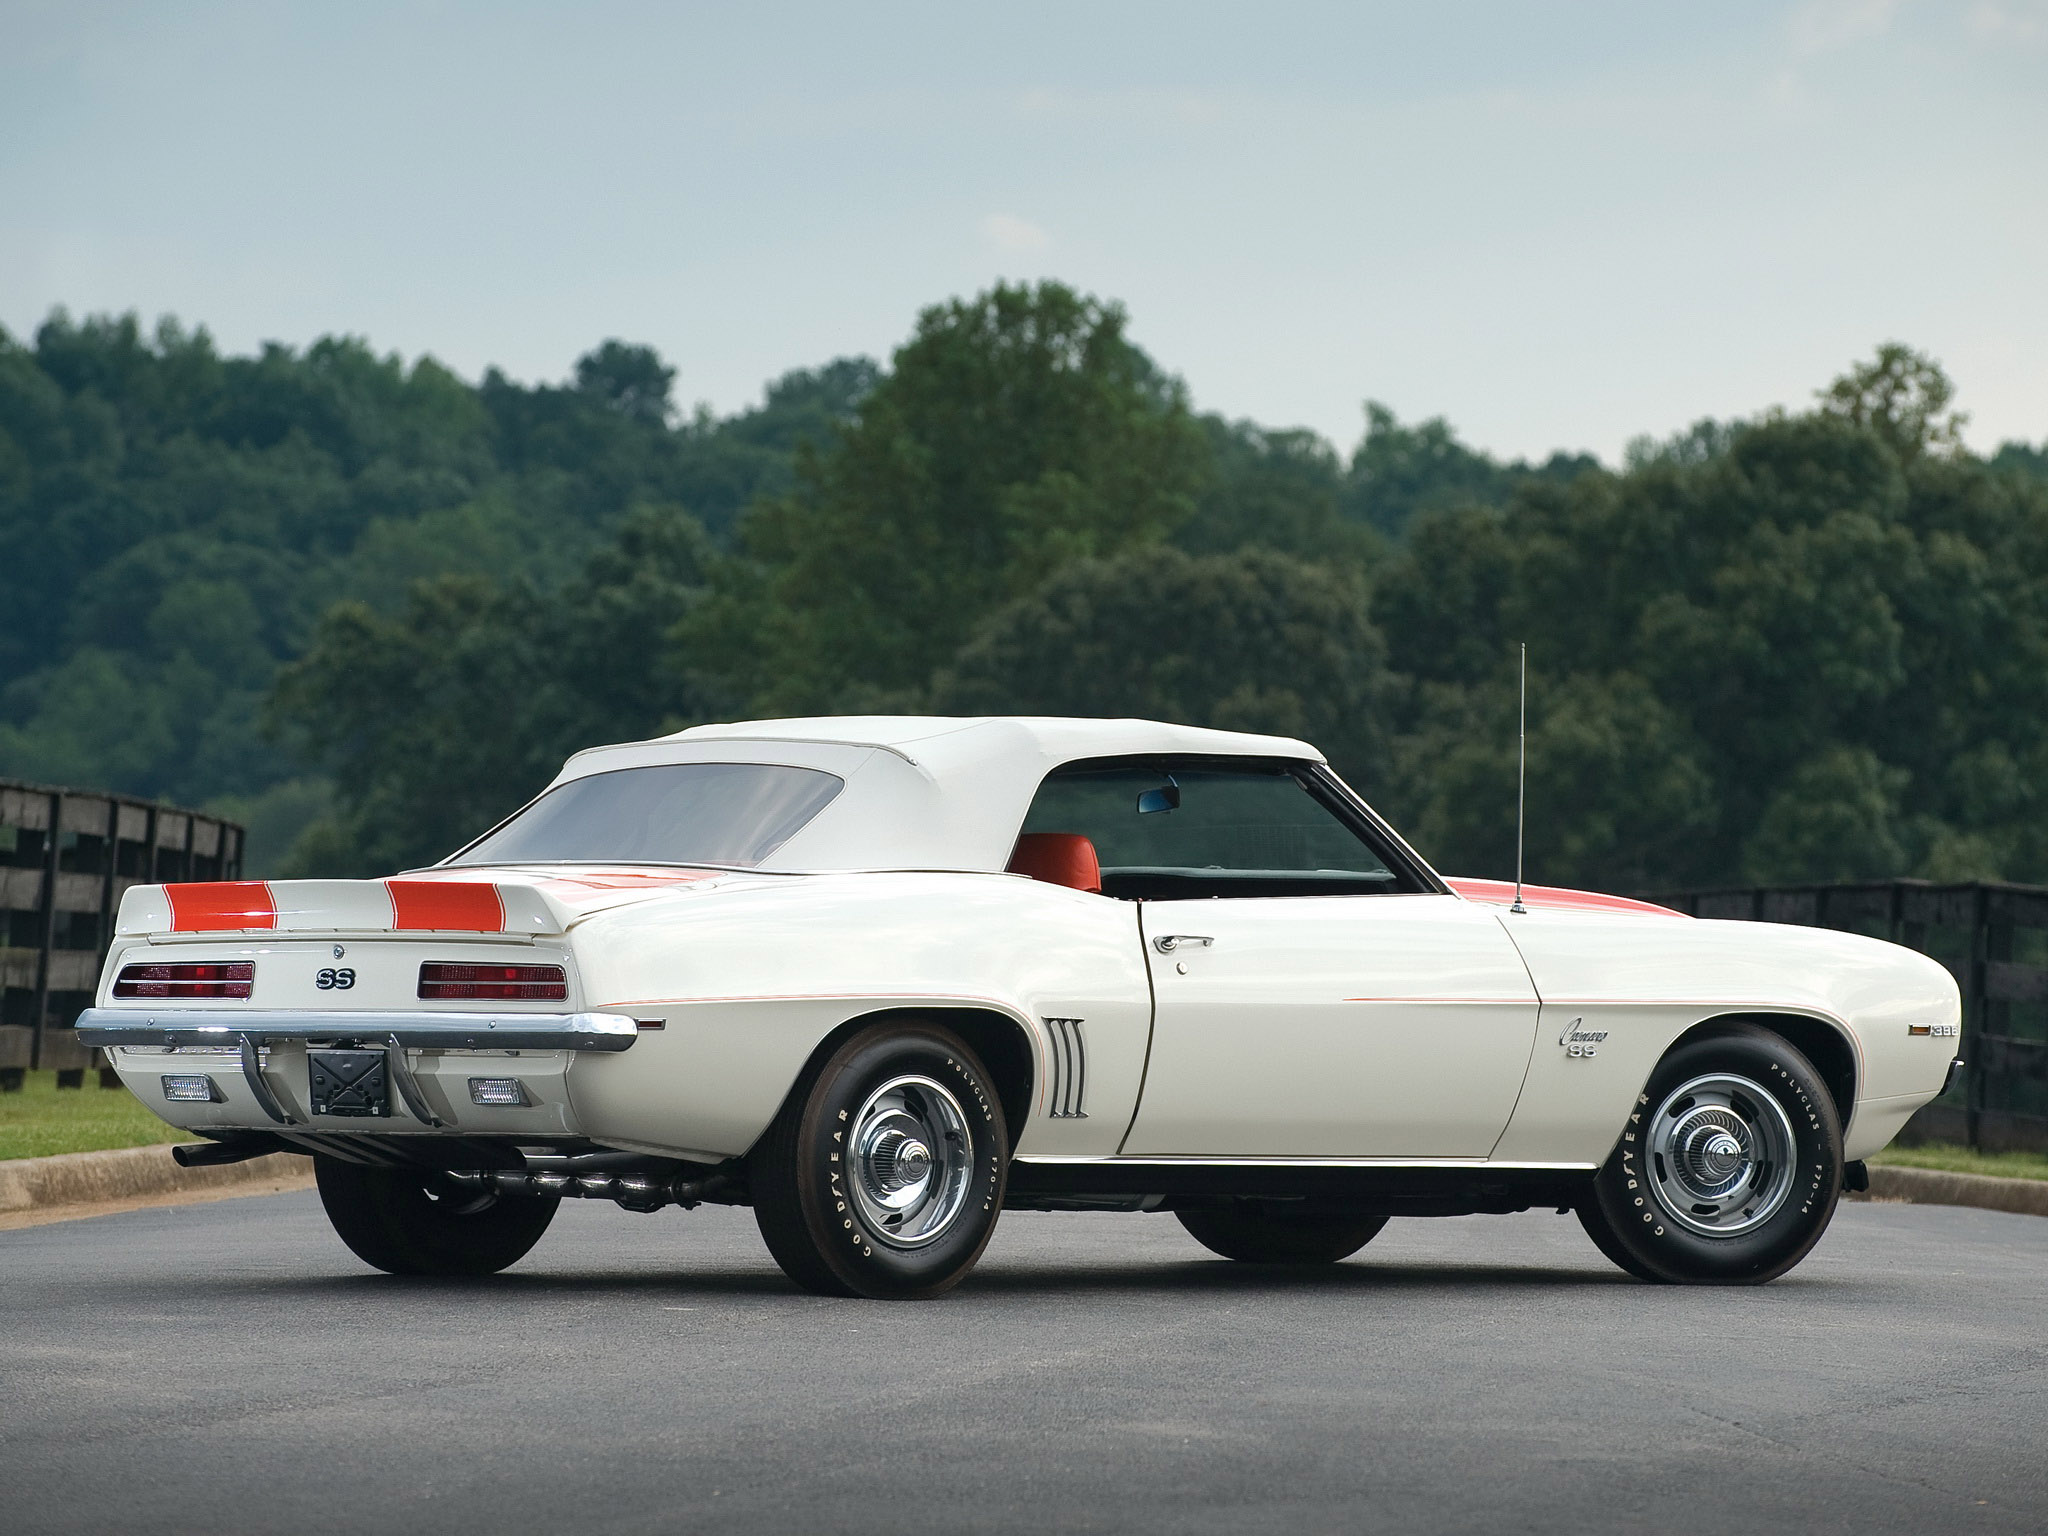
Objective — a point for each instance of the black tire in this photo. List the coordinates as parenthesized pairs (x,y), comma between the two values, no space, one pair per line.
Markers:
(1252,1232)
(1606,1240)
(415,1222)
(826,1170)
(1672,1206)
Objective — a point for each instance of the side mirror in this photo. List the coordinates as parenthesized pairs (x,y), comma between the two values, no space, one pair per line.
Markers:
(1165,798)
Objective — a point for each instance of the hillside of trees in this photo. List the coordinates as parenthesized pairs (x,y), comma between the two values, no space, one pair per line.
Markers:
(370,607)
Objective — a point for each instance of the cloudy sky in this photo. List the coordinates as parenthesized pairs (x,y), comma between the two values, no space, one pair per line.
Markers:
(1560,225)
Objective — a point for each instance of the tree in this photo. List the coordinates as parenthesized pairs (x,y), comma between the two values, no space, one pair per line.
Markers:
(1788,649)
(1903,396)
(1252,641)
(442,719)
(1015,433)
(1398,471)
(633,381)
(173,522)
(1618,797)
(1835,817)
(1272,490)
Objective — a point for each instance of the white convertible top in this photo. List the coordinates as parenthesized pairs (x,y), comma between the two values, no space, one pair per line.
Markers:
(922,791)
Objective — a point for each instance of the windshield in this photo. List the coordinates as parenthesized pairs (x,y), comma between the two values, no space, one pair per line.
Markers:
(677,813)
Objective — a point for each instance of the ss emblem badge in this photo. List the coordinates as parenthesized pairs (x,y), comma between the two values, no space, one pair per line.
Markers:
(1581,1042)
(336,981)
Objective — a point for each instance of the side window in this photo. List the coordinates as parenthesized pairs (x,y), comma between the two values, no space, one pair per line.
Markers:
(1208,829)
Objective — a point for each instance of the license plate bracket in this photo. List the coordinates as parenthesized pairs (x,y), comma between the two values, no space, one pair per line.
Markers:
(349,1082)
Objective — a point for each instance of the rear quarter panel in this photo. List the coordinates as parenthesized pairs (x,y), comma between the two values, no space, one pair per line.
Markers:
(748,983)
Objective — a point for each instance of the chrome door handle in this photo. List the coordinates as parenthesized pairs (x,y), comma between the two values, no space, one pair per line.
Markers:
(1167,943)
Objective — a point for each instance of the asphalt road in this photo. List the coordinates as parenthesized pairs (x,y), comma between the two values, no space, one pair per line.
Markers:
(230,1368)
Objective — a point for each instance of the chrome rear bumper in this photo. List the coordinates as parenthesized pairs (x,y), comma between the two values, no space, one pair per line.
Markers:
(420,1030)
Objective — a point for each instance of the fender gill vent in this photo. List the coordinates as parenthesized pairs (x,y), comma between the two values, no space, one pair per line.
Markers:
(1069,1070)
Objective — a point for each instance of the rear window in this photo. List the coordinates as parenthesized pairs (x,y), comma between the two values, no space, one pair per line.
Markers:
(734,814)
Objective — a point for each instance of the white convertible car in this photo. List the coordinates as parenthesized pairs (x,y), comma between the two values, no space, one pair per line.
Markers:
(883,978)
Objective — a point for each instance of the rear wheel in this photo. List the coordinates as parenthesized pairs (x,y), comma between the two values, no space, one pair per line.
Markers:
(416,1222)
(883,1175)
(1729,1167)
(1252,1232)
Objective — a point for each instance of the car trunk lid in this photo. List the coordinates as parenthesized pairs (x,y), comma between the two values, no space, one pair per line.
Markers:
(498,901)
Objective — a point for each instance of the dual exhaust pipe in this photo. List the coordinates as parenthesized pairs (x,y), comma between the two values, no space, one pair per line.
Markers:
(635,1182)
(634,1190)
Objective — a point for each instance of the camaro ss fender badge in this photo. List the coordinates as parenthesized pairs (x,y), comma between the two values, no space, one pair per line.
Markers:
(1939,1031)
(1581,1042)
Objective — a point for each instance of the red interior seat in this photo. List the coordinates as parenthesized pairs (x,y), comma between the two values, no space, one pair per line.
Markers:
(1058,858)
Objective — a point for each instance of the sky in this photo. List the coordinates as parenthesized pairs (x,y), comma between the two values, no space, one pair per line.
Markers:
(1559,225)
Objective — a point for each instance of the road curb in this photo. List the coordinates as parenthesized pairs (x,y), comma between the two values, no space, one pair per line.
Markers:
(132,1173)
(1931,1186)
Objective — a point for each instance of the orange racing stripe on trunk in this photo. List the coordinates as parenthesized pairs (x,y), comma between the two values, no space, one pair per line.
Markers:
(221,906)
(445,906)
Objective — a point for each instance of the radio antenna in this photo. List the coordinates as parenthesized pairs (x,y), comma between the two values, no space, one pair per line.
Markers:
(1522,781)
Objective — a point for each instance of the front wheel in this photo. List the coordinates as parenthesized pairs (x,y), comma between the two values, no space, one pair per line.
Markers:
(1251,1232)
(416,1222)
(1728,1169)
(883,1175)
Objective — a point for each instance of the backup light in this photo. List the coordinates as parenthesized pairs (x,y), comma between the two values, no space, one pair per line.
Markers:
(193,1089)
(496,1090)
(512,983)
(206,978)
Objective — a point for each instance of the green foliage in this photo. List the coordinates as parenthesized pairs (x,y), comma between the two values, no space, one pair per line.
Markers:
(1902,396)
(1252,641)
(2022,459)
(173,523)
(1618,796)
(443,718)
(1807,648)
(1272,490)
(1795,648)
(1398,471)
(1015,433)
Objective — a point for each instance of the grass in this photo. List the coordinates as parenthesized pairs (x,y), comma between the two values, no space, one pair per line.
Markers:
(1952,1159)
(43,1119)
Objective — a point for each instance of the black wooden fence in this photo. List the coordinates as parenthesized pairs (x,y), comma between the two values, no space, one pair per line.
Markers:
(66,858)
(1994,940)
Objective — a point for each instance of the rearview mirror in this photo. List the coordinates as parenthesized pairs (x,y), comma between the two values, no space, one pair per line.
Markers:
(1165,798)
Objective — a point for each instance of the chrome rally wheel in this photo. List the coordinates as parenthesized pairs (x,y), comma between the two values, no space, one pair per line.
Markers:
(884,1173)
(911,1171)
(1721,1155)
(1729,1167)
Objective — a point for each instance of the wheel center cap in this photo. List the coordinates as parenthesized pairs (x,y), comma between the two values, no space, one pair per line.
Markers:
(1720,1154)
(899,1160)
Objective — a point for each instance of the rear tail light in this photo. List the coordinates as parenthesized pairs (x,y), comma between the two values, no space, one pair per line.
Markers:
(502,983)
(205,978)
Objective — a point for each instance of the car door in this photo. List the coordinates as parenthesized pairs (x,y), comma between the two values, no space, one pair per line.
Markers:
(1314,995)
(1331,1026)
